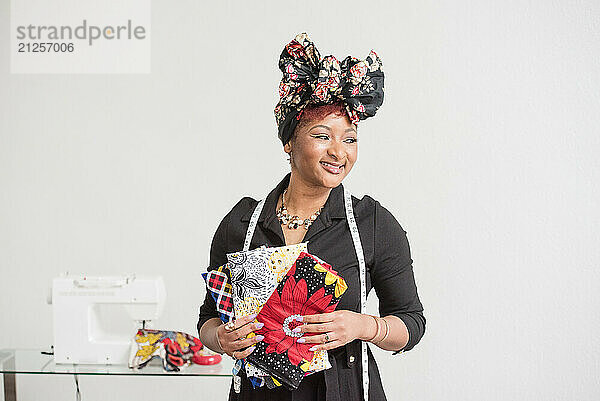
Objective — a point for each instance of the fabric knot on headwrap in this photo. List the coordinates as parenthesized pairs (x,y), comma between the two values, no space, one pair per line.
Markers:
(310,79)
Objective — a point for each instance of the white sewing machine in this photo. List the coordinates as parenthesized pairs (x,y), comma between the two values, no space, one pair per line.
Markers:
(96,318)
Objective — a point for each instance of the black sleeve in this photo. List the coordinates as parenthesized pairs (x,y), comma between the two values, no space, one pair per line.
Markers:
(218,257)
(392,276)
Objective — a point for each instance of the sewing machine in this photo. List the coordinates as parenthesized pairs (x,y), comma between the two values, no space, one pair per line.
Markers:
(96,318)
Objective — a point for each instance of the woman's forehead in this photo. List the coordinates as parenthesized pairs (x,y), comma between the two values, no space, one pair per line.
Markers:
(332,127)
(331,122)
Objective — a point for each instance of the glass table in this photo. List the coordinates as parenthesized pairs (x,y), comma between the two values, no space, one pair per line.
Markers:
(36,361)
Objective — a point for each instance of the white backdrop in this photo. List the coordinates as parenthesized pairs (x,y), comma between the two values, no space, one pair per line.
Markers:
(485,150)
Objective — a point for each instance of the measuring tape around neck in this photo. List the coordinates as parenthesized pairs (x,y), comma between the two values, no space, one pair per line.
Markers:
(252,225)
(363,286)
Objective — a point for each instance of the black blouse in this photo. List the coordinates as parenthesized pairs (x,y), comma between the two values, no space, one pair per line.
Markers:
(388,261)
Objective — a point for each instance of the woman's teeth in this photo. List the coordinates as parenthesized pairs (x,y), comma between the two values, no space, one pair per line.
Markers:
(331,168)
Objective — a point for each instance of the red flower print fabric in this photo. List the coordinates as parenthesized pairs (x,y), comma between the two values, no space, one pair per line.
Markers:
(310,287)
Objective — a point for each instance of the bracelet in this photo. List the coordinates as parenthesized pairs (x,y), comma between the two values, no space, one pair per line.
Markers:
(387,332)
(378,329)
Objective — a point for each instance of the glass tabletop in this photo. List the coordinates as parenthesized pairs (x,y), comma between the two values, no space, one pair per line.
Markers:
(33,361)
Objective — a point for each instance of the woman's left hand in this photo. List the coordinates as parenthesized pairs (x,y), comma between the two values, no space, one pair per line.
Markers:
(332,330)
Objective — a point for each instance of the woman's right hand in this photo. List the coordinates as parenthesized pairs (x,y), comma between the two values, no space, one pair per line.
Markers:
(234,343)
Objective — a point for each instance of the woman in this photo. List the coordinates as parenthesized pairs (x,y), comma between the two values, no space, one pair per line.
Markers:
(321,102)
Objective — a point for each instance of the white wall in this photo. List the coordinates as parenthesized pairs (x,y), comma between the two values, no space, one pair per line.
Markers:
(485,150)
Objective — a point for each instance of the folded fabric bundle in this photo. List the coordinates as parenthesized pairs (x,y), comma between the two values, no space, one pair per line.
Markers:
(254,276)
(176,349)
(310,286)
(278,284)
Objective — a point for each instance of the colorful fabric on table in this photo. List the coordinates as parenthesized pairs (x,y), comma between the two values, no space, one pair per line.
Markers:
(310,286)
(176,349)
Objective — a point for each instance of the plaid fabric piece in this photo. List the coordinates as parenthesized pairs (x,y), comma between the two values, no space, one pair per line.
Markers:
(217,283)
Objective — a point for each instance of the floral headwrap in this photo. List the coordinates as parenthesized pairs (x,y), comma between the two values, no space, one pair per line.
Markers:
(310,79)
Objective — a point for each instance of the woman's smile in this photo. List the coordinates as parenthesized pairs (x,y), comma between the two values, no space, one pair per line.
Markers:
(333,168)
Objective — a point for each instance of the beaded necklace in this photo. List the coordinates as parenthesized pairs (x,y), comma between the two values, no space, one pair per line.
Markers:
(294,222)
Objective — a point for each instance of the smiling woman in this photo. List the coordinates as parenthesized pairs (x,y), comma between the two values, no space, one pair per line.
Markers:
(321,103)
